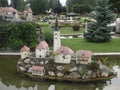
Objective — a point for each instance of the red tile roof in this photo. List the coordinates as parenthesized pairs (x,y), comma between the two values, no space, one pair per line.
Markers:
(37,68)
(42,45)
(84,53)
(7,9)
(64,50)
(25,48)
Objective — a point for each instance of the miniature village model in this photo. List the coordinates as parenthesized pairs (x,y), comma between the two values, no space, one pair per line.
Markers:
(62,63)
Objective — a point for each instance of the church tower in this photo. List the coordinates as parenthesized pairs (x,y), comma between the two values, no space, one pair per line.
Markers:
(57,41)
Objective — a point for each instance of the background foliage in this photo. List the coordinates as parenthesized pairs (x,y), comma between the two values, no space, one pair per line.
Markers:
(99,31)
(16,35)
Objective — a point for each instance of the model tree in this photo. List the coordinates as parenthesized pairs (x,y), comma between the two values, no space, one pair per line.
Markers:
(38,6)
(99,31)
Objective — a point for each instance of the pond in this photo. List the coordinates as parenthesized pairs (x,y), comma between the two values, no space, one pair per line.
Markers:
(11,80)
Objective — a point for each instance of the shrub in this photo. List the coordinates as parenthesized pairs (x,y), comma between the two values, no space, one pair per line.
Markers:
(16,35)
(76,27)
(48,36)
(93,66)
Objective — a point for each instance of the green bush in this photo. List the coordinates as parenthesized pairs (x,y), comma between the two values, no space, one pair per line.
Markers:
(48,36)
(76,27)
(16,35)
(78,8)
(93,66)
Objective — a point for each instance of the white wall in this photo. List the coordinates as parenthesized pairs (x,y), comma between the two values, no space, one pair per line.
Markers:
(57,41)
(41,53)
(59,59)
(24,54)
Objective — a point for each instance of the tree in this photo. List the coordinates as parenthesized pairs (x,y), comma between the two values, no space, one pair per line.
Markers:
(99,31)
(18,4)
(21,5)
(22,34)
(78,8)
(38,6)
(3,3)
(115,5)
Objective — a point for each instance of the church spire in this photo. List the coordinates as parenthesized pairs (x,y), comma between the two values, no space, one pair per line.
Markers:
(57,41)
(56,24)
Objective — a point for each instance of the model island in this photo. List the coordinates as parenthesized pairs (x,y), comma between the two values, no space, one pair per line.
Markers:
(61,63)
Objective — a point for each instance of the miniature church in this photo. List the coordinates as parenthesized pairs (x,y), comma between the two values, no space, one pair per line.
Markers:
(57,40)
(63,54)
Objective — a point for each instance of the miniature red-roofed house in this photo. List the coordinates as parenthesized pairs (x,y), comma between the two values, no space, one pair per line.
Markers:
(64,55)
(83,57)
(38,70)
(28,14)
(8,12)
(25,52)
(42,49)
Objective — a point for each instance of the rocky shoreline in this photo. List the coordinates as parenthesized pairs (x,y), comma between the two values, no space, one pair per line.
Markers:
(77,80)
(95,71)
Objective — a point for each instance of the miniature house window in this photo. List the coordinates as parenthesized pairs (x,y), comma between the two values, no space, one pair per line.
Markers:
(55,33)
(39,50)
(63,56)
(40,72)
(83,54)
(40,56)
(33,71)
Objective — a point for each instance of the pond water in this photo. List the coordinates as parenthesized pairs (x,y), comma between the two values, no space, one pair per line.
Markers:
(11,80)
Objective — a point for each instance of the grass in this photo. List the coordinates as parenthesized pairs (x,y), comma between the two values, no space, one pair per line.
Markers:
(63,30)
(78,44)
(69,30)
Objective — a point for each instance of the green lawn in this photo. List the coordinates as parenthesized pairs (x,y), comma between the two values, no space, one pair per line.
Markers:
(69,30)
(79,44)
(63,30)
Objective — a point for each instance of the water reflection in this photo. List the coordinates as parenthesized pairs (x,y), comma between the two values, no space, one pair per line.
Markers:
(11,80)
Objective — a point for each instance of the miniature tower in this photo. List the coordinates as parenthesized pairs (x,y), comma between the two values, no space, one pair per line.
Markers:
(57,41)
(25,52)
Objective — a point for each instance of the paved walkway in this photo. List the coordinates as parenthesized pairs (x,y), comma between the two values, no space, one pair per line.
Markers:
(98,54)
(109,54)
(9,54)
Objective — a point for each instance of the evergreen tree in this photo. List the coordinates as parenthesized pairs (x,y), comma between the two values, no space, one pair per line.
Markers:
(115,5)
(99,31)
(3,3)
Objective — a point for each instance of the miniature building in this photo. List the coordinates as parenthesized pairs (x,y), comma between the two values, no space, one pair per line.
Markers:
(57,40)
(8,13)
(83,57)
(38,70)
(118,25)
(64,55)
(28,14)
(42,49)
(25,52)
